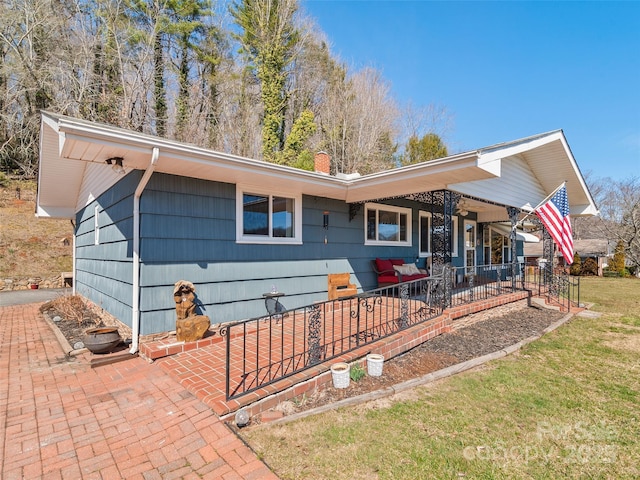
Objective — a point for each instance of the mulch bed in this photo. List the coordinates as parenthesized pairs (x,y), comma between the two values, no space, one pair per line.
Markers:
(72,317)
(473,336)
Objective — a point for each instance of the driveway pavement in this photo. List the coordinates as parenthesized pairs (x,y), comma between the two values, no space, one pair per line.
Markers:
(23,297)
(60,418)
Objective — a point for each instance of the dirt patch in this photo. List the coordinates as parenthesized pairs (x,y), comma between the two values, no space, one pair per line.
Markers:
(473,336)
(627,337)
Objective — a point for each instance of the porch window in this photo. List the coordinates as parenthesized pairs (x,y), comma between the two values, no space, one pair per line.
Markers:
(424,234)
(266,217)
(387,225)
(497,247)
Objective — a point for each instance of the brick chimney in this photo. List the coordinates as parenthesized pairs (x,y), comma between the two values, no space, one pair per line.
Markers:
(322,163)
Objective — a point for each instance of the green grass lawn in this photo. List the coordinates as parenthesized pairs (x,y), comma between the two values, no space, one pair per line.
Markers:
(566,406)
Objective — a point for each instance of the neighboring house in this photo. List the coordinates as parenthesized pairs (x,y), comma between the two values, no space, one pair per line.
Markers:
(149,212)
(600,250)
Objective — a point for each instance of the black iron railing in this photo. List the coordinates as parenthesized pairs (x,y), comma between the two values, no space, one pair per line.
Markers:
(263,350)
(471,284)
(557,287)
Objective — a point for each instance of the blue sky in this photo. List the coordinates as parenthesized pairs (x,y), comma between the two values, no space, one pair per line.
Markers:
(506,70)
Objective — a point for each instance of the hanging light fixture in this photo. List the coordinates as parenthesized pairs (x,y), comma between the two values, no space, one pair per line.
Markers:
(116,164)
(462,209)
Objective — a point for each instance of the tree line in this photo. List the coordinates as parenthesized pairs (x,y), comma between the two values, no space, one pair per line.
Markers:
(255,78)
(251,77)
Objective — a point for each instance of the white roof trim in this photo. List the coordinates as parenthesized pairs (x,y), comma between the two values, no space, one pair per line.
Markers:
(75,151)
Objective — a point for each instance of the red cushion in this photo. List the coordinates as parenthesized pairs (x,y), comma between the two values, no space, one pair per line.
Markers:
(383,265)
(387,279)
(396,261)
(416,276)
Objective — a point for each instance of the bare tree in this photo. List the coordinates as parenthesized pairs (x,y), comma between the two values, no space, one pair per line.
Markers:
(620,210)
(31,38)
(358,121)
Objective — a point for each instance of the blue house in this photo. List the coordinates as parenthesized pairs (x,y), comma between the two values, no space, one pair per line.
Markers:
(148,212)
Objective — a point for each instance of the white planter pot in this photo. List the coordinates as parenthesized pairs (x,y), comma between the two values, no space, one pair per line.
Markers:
(340,374)
(374,364)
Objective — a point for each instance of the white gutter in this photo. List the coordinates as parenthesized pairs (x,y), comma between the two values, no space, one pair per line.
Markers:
(135,305)
(73,268)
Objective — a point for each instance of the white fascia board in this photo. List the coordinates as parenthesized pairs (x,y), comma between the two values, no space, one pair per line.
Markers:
(519,146)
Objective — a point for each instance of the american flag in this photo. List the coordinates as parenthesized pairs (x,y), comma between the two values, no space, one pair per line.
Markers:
(555,217)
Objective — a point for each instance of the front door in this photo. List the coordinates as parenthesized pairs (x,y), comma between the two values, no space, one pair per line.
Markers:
(470,245)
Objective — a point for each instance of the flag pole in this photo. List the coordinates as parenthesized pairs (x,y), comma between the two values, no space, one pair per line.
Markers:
(543,201)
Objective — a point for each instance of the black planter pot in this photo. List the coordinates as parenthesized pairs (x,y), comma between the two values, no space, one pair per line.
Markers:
(101,339)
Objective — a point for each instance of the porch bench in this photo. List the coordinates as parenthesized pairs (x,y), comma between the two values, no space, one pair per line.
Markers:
(394,270)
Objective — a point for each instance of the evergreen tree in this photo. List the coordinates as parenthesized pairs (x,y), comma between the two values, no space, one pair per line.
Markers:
(576,266)
(590,267)
(424,149)
(295,154)
(268,40)
(618,262)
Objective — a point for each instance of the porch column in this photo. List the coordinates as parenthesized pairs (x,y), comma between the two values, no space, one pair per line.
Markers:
(443,204)
(513,217)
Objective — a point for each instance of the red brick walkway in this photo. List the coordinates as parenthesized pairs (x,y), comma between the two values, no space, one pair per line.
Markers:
(61,419)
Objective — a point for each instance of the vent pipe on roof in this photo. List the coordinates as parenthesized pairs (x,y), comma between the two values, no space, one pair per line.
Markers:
(135,304)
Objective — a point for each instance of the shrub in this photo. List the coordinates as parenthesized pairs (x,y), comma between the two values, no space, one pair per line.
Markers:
(576,266)
(590,267)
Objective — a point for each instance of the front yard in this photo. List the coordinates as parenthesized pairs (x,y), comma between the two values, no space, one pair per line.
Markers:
(564,406)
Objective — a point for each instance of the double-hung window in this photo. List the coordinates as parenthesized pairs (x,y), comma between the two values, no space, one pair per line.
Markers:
(267,217)
(387,225)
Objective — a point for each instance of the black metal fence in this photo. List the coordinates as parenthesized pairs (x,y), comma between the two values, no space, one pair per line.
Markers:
(557,287)
(263,350)
(471,284)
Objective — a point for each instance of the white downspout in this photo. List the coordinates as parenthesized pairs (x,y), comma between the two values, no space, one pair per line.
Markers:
(135,304)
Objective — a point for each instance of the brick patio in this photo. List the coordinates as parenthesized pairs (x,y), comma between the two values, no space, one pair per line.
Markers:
(62,419)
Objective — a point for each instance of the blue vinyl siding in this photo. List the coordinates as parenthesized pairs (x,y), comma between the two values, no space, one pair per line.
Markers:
(188,232)
(104,271)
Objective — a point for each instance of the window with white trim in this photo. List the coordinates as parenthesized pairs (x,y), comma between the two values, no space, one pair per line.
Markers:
(424,234)
(387,225)
(268,217)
